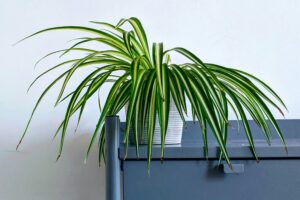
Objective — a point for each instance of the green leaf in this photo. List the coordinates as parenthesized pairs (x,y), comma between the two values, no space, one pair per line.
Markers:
(175,97)
(151,123)
(139,30)
(157,53)
(70,73)
(197,61)
(204,79)
(208,111)
(127,41)
(239,79)
(196,107)
(244,120)
(64,51)
(37,104)
(145,103)
(179,91)
(70,107)
(131,107)
(164,106)
(136,45)
(79,28)
(265,86)
(112,95)
(49,70)
(123,94)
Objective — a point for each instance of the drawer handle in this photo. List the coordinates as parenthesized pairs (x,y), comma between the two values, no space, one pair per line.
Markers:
(236,169)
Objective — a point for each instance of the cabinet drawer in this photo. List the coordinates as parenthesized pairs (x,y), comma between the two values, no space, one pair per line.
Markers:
(200,179)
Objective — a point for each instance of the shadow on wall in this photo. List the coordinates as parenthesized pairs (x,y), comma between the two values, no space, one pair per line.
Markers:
(32,173)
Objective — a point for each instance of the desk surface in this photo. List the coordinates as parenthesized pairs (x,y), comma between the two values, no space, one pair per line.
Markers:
(237,145)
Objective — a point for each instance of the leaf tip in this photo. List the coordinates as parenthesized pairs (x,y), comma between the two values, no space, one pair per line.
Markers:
(18,145)
(14,44)
(58,157)
(161,159)
(286,149)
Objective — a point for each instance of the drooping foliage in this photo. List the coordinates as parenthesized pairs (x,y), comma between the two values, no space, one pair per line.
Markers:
(146,79)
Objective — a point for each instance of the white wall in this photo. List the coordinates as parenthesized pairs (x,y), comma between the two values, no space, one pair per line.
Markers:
(262,37)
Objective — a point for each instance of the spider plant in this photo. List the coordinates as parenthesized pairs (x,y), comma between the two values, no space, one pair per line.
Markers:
(146,79)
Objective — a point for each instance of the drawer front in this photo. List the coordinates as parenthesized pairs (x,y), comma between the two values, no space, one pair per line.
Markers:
(203,180)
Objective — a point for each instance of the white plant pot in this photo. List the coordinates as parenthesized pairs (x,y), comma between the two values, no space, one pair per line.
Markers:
(174,131)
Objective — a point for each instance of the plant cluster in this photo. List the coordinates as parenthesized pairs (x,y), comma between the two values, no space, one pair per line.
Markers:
(146,80)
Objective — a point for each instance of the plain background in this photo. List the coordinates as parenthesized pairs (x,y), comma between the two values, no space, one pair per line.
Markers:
(261,37)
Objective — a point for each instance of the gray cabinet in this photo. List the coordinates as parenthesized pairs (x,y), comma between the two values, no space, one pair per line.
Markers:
(186,174)
(199,179)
